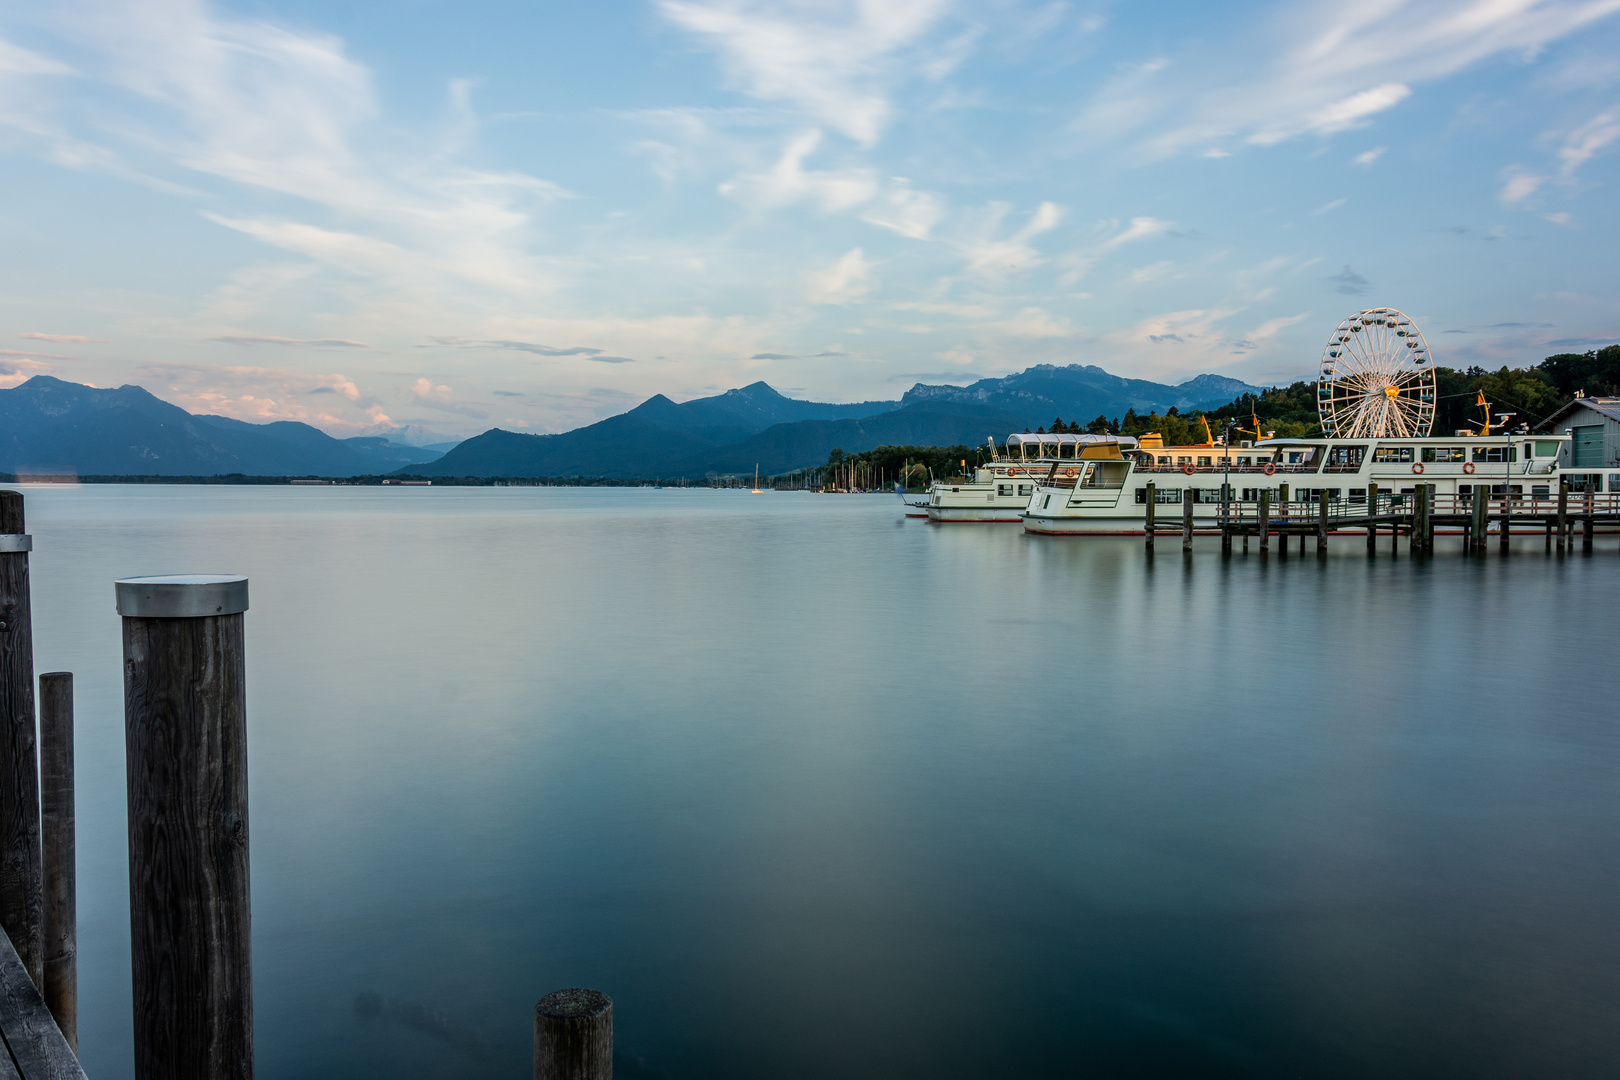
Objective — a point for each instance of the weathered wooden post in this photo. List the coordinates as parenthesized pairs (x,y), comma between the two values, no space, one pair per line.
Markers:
(1186,519)
(1322,521)
(1423,533)
(1507,524)
(21,910)
(573,1036)
(185,735)
(1478,518)
(61,989)
(1563,510)
(1372,519)
(1265,519)
(1586,517)
(1152,501)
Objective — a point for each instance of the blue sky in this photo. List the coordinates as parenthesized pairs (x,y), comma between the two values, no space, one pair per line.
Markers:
(534,215)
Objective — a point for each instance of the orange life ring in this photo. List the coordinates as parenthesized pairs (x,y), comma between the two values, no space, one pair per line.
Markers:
(1013,472)
(1188,469)
(1068,472)
(1468,467)
(1417,468)
(1270,469)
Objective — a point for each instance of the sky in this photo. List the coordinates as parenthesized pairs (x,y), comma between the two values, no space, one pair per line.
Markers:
(531,216)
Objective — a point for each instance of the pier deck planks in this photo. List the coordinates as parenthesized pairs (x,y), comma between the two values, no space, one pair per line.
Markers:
(34,1048)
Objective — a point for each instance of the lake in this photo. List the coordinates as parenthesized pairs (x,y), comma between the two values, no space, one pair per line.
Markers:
(813,790)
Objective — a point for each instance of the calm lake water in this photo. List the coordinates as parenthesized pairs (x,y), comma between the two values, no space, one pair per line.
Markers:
(813,790)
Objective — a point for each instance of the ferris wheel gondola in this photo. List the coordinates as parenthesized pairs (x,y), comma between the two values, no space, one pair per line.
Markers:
(1377,378)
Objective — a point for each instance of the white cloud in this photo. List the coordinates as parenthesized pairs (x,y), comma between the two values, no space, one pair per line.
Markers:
(1077,263)
(1519,187)
(1368,157)
(834,59)
(1586,140)
(1326,207)
(907,212)
(64,339)
(845,281)
(1562,218)
(1319,68)
(987,254)
(1032,322)
(788,182)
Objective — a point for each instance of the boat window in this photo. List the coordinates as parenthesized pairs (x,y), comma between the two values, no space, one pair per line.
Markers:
(1495,453)
(1444,453)
(1164,459)
(1004,489)
(1026,490)
(1541,489)
(1546,448)
(1297,457)
(1203,461)
(1393,454)
(1184,459)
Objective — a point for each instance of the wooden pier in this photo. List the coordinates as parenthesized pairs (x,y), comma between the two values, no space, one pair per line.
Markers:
(1415,515)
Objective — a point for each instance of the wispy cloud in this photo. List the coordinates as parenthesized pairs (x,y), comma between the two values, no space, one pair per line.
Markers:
(1325,207)
(1348,282)
(1318,68)
(1368,157)
(773,356)
(989,254)
(295,343)
(63,339)
(845,281)
(836,61)
(584,352)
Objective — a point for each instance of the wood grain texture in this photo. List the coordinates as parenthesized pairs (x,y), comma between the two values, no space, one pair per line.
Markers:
(61,987)
(573,1036)
(31,1036)
(185,726)
(21,914)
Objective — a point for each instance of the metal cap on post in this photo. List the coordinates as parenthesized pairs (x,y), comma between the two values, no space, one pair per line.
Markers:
(185,731)
(573,1036)
(181,596)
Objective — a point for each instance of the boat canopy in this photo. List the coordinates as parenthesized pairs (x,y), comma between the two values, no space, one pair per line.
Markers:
(1026,446)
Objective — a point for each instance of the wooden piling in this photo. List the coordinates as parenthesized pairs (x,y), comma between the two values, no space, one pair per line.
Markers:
(1265,519)
(1586,518)
(1478,518)
(1322,520)
(61,989)
(1563,510)
(1152,502)
(21,899)
(1186,519)
(1507,523)
(573,1036)
(185,731)
(1372,519)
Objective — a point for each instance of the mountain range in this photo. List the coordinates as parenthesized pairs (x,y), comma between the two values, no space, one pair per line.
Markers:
(52,427)
(49,426)
(733,431)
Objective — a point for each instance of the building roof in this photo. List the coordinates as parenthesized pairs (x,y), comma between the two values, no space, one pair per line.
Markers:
(1607,407)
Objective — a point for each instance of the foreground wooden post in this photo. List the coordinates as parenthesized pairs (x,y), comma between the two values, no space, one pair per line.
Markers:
(61,989)
(1372,519)
(573,1036)
(1322,520)
(185,732)
(21,911)
(1563,510)
(1152,493)
(1478,518)
(1586,518)
(1265,519)
(1186,519)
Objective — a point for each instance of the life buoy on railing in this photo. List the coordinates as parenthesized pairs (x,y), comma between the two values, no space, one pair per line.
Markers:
(1417,468)
(1014,472)
(1188,469)
(1270,469)
(1068,472)
(1468,467)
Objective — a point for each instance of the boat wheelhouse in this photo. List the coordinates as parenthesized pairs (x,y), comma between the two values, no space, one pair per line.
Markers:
(1111,496)
(1001,489)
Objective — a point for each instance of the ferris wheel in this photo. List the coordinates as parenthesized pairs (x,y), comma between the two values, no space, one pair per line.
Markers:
(1377,378)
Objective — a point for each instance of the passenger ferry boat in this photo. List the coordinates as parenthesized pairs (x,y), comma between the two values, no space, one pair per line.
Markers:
(1110,496)
(1001,490)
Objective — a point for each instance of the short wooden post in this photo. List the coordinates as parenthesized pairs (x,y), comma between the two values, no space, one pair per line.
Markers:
(21,901)
(1507,523)
(1563,510)
(1265,519)
(573,1036)
(1372,519)
(1586,517)
(1322,520)
(1425,510)
(1186,519)
(1152,503)
(61,989)
(1478,518)
(185,736)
